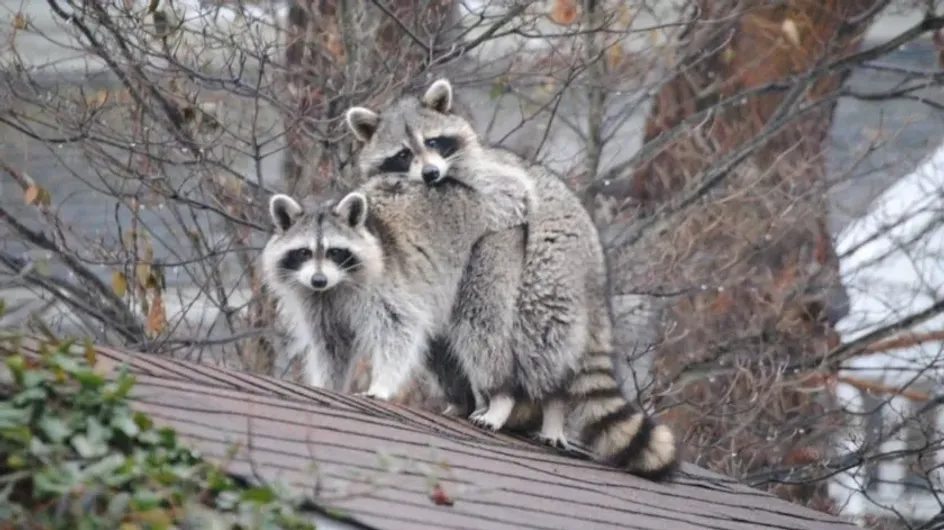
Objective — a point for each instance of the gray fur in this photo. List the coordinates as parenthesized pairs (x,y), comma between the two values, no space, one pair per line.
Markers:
(547,341)
(398,296)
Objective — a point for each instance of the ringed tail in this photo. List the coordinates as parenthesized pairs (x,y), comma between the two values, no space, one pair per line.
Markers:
(618,432)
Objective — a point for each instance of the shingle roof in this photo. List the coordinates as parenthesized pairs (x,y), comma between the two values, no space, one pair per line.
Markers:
(379,462)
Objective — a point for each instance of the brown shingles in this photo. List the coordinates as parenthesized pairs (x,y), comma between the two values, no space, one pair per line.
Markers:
(507,502)
(499,482)
(297,425)
(271,451)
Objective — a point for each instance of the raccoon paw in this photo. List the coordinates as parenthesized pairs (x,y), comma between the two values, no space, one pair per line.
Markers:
(374,393)
(557,442)
(484,421)
(496,415)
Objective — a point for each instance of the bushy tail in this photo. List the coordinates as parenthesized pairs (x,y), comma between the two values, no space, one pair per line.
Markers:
(617,432)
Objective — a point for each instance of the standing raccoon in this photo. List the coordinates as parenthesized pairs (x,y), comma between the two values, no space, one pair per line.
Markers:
(375,273)
(555,349)
(483,321)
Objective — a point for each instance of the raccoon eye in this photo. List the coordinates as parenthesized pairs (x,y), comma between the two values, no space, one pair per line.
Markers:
(446,146)
(397,163)
(294,259)
(300,254)
(340,256)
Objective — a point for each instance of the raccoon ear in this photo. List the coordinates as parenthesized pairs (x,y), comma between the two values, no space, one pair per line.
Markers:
(439,96)
(362,122)
(283,210)
(353,209)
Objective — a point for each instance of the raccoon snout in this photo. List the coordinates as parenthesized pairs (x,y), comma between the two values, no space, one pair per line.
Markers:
(319,281)
(430,174)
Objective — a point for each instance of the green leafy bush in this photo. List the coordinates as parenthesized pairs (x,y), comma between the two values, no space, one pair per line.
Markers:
(74,455)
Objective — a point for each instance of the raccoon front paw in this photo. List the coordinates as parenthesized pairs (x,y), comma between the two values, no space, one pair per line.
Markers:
(496,415)
(485,421)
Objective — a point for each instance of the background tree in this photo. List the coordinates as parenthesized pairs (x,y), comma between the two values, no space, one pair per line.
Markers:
(762,87)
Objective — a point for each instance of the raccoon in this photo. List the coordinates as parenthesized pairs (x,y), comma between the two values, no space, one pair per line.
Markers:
(556,347)
(374,273)
(483,321)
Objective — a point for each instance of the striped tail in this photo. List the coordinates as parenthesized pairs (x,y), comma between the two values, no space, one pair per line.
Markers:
(617,432)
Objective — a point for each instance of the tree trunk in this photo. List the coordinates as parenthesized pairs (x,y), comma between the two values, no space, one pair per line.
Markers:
(754,257)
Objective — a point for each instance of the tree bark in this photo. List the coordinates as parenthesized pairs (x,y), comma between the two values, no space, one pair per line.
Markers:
(754,258)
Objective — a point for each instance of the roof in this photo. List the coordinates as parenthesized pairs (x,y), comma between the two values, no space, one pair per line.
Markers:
(378,462)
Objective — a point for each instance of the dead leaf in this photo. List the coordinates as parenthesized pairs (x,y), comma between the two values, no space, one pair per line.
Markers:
(564,12)
(128,240)
(439,496)
(333,43)
(98,100)
(119,282)
(156,319)
(194,235)
(721,303)
(614,55)
(42,268)
(173,86)
(19,21)
(624,17)
(142,272)
(90,356)
(789,28)
(148,249)
(36,195)
(31,195)
(162,23)
(199,117)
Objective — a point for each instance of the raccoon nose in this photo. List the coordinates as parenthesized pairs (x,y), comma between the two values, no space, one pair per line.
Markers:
(319,281)
(430,174)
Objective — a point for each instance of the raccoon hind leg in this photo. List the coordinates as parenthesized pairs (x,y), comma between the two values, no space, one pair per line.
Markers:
(446,375)
(551,327)
(482,319)
(553,423)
